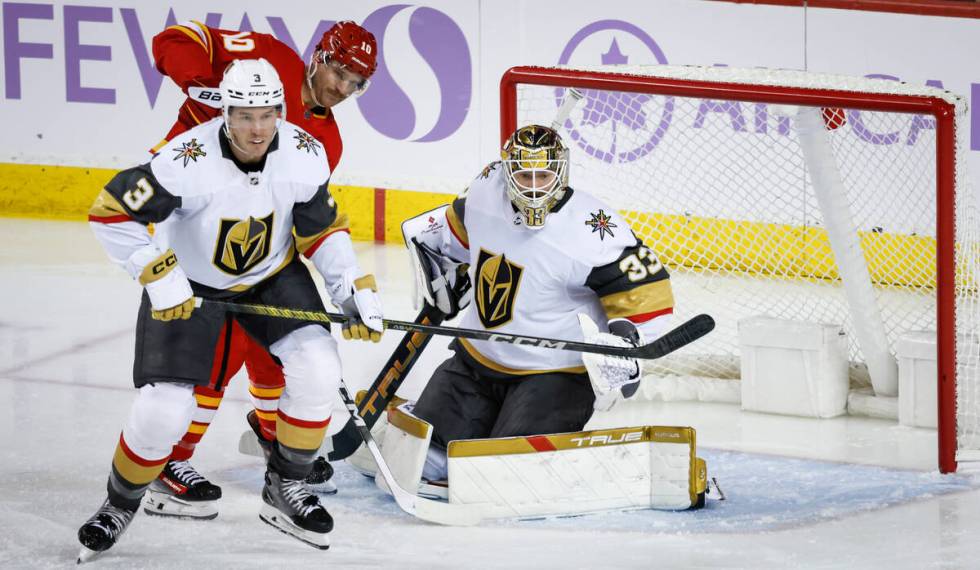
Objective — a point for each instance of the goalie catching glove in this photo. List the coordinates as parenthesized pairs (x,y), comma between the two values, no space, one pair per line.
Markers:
(613,378)
(440,281)
(363,306)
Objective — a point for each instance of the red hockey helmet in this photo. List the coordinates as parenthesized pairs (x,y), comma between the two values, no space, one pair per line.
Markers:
(352,46)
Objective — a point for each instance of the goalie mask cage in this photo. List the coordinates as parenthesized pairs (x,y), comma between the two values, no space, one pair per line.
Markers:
(796,195)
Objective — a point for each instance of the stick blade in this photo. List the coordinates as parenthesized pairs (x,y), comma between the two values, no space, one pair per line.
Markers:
(449,514)
(677,338)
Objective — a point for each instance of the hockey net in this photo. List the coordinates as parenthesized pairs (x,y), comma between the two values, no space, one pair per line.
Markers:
(715,172)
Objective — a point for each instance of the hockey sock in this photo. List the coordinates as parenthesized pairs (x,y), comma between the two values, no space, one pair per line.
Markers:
(130,476)
(208,401)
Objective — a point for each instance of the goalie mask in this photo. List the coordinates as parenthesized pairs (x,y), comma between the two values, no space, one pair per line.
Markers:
(536,164)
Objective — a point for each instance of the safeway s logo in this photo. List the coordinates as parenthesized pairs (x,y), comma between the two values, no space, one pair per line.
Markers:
(424,114)
(598,440)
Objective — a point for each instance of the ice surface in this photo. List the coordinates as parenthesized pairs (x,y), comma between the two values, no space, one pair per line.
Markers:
(802,493)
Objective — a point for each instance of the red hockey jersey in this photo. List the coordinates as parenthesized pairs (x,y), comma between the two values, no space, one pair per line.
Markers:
(195,57)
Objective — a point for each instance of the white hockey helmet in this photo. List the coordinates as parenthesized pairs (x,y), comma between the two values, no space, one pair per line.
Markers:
(535,153)
(250,83)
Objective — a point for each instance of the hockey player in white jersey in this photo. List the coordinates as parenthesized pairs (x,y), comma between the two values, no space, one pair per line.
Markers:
(545,260)
(234,201)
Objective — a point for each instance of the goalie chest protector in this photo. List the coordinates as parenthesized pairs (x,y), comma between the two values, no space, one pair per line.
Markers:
(533,282)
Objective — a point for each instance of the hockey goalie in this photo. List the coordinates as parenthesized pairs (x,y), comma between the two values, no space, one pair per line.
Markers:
(548,260)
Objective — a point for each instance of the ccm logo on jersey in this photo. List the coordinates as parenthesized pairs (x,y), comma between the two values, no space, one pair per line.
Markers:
(607,439)
(209,96)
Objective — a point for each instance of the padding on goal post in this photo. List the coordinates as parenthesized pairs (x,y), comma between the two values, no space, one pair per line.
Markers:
(795,195)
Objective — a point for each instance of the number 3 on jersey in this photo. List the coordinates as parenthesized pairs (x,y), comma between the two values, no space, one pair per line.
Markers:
(137,197)
(641,264)
(238,42)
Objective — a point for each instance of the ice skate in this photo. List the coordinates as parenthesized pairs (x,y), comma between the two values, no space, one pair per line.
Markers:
(253,443)
(291,508)
(180,491)
(102,530)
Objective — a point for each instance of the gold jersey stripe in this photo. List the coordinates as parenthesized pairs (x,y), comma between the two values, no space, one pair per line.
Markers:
(647,298)
(198,37)
(304,243)
(159,145)
(409,424)
(198,429)
(512,371)
(157,270)
(297,437)
(456,226)
(106,206)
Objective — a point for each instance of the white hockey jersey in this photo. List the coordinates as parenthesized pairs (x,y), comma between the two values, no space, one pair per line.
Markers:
(230,228)
(535,282)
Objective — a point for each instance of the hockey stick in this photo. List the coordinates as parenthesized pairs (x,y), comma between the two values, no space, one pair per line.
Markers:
(571,99)
(382,390)
(688,332)
(425,509)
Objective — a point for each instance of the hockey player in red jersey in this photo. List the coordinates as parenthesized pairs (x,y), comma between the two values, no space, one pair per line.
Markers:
(195,56)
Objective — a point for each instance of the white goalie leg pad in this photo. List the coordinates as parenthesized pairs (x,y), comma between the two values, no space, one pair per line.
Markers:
(361,460)
(404,447)
(311,365)
(575,473)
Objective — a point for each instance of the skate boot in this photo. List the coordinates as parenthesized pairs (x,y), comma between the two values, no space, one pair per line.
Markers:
(102,530)
(291,508)
(180,491)
(318,479)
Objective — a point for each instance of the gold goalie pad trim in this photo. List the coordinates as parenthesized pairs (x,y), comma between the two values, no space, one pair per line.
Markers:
(571,473)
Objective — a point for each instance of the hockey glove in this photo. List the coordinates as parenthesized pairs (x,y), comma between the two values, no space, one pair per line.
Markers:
(612,377)
(169,290)
(364,308)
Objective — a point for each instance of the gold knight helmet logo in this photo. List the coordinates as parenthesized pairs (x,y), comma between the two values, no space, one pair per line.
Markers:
(497,281)
(242,244)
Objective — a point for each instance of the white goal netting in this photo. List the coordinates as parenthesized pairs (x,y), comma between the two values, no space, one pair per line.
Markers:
(722,191)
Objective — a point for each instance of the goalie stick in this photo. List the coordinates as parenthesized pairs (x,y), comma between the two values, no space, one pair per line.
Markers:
(425,509)
(678,337)
(382,390)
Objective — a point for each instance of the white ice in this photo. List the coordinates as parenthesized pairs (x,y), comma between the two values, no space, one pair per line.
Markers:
(840,493)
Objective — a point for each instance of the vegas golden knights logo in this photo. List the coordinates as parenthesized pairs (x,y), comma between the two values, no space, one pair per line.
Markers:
(497,281)
(242,244)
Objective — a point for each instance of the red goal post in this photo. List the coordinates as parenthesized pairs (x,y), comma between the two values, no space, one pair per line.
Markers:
(798,89)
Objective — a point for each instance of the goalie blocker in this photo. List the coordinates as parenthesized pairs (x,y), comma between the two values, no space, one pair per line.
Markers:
(601,470)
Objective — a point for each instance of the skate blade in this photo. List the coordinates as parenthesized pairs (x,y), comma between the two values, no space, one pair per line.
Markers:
(88,555)
(325,488)
(165,505)
(272,517)
(248,444)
